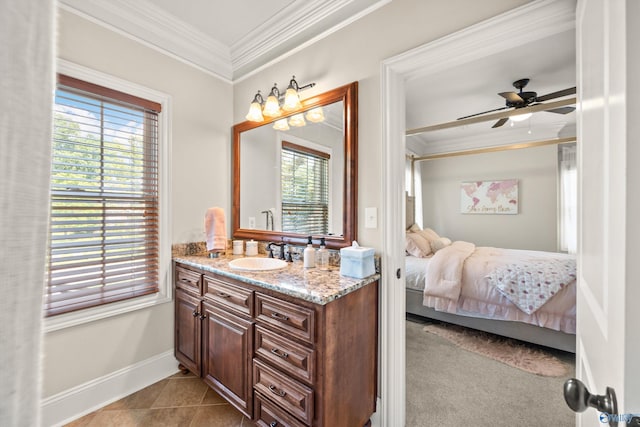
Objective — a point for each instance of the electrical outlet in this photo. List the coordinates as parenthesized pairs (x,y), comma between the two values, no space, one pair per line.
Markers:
(252,222)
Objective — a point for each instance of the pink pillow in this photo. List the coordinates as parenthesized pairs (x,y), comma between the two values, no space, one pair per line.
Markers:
(417,245)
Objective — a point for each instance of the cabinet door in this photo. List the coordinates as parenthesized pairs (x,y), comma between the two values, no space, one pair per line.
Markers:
(227,352)
(188,331)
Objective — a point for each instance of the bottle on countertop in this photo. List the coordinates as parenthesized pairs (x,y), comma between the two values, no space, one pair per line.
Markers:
(322,256)
(309,255)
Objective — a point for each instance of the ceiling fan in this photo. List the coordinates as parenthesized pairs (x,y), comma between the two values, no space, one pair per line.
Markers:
(522,99)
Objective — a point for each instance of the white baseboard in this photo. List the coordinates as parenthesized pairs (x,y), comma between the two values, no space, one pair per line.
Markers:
(80,400)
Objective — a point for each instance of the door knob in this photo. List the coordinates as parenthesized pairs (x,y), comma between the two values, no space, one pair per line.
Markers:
(579,399)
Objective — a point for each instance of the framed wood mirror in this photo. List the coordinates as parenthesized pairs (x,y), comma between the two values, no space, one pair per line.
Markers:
(289,184)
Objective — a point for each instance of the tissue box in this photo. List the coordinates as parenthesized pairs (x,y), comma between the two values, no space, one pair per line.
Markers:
(357,262)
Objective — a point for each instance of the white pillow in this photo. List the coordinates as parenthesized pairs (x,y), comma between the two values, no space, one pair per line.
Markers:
(440,243)
(417,245)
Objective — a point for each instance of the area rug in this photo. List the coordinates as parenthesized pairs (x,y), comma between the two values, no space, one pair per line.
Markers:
(508,351)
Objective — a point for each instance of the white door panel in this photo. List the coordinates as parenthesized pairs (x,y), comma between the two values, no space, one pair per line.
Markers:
(603,356)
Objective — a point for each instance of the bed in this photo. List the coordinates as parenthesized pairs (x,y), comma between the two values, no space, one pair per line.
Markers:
(494,290)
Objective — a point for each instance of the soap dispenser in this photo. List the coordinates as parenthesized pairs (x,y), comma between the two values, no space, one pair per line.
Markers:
(309,255)
(322,257)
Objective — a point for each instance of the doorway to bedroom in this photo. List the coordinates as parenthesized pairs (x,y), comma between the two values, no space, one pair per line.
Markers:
(461,68)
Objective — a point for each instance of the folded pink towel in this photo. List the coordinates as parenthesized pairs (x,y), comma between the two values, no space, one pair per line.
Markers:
(215,229)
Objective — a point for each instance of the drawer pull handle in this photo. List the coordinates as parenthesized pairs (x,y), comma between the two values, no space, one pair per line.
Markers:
(223,295)
(273,424)
(277,392)
(203,316)
(185,280)
(195,313)
(279,316)
(279,353)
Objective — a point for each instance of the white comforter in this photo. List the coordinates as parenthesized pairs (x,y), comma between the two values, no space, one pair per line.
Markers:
(457,281)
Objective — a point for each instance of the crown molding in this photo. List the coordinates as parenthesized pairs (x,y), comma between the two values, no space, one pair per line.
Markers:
(432,145)
(298,25)
(533,21)
(303,22)
(144,22)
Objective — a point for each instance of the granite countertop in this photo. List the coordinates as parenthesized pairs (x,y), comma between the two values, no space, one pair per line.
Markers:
(310,284)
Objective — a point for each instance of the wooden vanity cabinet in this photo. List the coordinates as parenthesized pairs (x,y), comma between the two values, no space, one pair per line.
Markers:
(281,360)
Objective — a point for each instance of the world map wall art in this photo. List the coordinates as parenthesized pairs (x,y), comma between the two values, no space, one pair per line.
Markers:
(489,197)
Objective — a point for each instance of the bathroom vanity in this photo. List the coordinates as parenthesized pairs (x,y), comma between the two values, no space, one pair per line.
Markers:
(290,347)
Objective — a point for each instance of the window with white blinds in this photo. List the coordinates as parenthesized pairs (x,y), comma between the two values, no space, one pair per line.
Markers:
(104,231)
(305,189)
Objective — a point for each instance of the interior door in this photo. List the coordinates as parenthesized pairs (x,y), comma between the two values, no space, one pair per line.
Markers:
(608,194)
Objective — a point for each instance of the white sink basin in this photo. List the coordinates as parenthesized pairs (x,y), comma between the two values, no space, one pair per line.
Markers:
(257,264)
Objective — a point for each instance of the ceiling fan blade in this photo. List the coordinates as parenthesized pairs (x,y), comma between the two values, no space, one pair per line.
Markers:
(562,110)
(500,122)
(558,94)
(484,112)
(512,97)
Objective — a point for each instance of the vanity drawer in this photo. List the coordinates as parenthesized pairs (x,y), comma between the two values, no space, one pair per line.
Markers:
(231,296)
(269,415)
(293,397)
(295,359)
(283,316)
(188,280)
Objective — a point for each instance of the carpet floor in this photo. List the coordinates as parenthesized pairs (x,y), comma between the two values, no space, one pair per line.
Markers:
(448,386)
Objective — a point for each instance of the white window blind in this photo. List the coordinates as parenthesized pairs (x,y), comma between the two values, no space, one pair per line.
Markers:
(568,197)
(305,191)
(104,232)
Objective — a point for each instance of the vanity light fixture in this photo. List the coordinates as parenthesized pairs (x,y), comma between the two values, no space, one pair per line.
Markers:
(315,115)
(271,107)
(255,110)
(297,120)
(281,125)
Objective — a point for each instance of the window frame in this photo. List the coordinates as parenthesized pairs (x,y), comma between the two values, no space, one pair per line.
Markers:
(164,294)
(312,150)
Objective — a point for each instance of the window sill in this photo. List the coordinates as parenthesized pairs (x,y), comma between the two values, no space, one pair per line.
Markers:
(81,317)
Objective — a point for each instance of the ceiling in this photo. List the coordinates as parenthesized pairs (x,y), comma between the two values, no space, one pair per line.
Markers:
(440,97)
(234,39)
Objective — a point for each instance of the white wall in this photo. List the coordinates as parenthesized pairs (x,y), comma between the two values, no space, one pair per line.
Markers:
(200,174)
(535,225)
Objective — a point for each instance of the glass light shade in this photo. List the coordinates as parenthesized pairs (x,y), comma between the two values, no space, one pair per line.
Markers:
(291,100)
(315,115)
(520,117)
(297,120)
(281,125)
(255,112)
(271,107)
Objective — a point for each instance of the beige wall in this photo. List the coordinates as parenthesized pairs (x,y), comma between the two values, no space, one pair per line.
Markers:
(204,109)
(535,225)
(355,53)
(200,170)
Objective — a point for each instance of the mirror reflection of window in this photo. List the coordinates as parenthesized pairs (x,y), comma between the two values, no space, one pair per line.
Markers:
(305,189)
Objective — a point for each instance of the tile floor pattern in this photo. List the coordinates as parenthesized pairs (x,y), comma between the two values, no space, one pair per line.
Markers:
(180,400)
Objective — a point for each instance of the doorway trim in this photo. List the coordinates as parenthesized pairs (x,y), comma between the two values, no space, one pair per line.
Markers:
(533,21)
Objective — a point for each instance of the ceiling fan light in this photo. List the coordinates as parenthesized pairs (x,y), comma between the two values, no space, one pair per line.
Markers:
(315,115)
(281,125)
(297,120)
(520,117)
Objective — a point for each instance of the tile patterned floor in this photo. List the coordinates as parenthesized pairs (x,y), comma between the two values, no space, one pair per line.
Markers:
(180,400)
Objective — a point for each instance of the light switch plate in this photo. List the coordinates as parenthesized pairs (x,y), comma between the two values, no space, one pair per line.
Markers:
(252,222)
(370,218)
